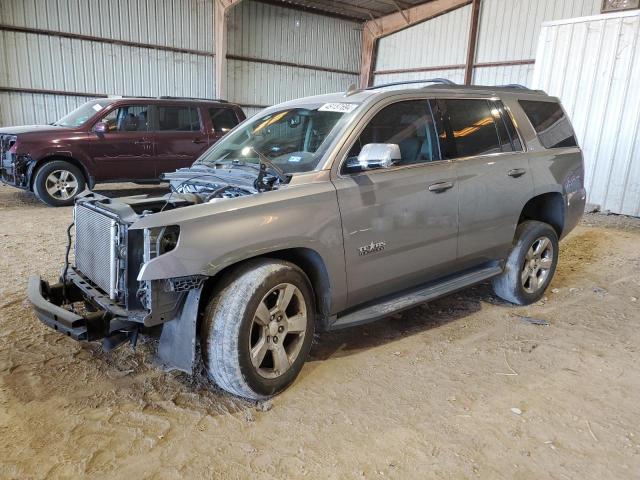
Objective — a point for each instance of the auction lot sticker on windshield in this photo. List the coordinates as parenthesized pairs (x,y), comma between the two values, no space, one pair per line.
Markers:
(97,107)
(338,107)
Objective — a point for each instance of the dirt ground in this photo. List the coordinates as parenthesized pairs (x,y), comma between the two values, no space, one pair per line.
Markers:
(459,388)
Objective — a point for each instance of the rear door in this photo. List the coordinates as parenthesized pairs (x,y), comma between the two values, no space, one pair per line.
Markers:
(125,150)
(222,120)
(400,224)
(179,136)
(494,177)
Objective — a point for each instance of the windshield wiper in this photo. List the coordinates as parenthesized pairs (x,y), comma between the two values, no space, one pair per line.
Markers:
(265,163)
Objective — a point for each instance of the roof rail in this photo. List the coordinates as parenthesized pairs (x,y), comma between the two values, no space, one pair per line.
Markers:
(514,85)
(169,97)
(443,81)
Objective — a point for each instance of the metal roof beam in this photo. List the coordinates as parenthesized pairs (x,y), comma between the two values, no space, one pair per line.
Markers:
(382,26)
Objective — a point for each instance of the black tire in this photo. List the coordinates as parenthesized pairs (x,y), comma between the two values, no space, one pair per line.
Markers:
(524,280)
(42,184)
(230,328)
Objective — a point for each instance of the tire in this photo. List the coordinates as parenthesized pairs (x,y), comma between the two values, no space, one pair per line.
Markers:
(58,183)
(233,328)
(530,265)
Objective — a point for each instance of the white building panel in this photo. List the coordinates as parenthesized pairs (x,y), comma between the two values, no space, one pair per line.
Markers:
(455,75)
(277,44)
(437,42)
(593,65)
(45,61)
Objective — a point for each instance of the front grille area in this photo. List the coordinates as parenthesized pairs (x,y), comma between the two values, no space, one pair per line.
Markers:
(95,248)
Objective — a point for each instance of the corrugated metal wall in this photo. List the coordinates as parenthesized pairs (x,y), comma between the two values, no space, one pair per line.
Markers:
(437,42)
(593,65)
(508,31)
(261,35)
(44,61)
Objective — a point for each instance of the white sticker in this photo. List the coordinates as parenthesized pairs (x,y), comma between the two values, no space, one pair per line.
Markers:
(338,107)
(97,107)
(295,159)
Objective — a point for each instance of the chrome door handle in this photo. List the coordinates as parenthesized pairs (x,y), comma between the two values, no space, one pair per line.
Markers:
(440,187)
(198,140)
(142,142)
(516,172)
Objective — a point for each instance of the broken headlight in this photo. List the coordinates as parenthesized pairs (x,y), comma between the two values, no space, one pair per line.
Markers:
(160,240)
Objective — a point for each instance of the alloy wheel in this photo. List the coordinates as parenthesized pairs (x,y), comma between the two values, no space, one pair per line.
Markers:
(537,265)
(61,184)
(277,331)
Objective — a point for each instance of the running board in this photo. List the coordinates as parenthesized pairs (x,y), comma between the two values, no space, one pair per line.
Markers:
(414,297)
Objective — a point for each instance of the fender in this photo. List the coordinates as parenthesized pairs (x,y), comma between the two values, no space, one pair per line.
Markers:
(216,235)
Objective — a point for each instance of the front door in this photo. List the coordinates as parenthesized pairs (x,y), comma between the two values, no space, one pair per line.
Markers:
(179,137)
(125,150)
(399,224)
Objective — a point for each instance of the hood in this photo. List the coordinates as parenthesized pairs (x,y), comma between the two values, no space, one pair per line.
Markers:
(200,178)
(32,129)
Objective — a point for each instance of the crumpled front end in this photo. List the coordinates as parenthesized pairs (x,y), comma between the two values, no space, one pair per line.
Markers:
(15,170)
(99,297)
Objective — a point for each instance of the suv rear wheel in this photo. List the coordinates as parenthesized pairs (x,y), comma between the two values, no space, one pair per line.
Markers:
(531,264)
(57,183)
(258,329)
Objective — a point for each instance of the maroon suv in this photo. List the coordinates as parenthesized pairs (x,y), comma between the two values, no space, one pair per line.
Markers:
(111,140)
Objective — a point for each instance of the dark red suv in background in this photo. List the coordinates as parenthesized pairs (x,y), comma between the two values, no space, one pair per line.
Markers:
(112,140)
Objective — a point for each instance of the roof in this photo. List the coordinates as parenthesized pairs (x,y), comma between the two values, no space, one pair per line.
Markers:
(361,10)
(359,96)
(174,100)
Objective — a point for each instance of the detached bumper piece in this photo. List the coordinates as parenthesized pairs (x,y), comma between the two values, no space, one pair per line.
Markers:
(48,301)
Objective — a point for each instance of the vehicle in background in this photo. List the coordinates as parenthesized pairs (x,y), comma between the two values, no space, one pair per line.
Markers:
(323,213)
(111,140)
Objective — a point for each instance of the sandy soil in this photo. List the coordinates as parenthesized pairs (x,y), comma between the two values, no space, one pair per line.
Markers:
(459,388)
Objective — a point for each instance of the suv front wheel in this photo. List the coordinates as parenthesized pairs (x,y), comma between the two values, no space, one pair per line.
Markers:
(531,264)
(257,330)
(58,183)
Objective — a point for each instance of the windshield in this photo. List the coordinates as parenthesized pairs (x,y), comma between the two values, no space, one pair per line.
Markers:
(83,113)
(293,139)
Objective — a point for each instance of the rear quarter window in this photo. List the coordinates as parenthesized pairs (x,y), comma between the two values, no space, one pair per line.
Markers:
(550,123)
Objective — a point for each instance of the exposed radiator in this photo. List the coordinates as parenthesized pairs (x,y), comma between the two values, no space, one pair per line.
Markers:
(96,247)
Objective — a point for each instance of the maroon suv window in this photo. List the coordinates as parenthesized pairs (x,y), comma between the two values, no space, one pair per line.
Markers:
(223,119)
(178,119)
(128,118)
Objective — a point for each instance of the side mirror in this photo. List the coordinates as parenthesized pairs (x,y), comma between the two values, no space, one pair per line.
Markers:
(374,156)
(101,128)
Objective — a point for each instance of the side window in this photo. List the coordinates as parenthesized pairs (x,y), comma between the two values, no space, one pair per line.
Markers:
(472,130)
(178,119)
(552,125)
(408,124)
(509,140)
(127,118)
(222,119)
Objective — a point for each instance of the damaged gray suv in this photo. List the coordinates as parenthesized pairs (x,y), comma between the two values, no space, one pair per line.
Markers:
(323,213)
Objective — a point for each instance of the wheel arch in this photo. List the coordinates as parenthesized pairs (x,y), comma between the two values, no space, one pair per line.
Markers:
(63,158)
(547,207)
(307,259)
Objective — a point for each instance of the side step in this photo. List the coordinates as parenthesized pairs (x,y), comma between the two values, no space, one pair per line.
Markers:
(414,297)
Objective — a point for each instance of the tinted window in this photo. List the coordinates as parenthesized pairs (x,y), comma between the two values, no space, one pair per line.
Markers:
(178,119)
(472,130)
(409,125)
(509,139)
(550,122)
(128,118)
(223,119)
